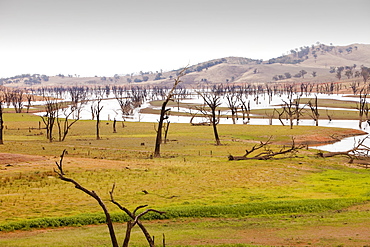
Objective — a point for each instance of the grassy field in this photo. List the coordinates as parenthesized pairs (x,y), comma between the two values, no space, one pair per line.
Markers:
(208,199)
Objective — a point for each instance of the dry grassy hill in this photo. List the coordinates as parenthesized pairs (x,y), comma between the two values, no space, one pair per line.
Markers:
(319,59)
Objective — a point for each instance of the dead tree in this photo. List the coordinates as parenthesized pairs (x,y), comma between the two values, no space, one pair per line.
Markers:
(29,100)
(135,218)
(266,153)
(96,110)
(166,127)
(164,113)
(1,122)
(232,101)
(292,109)
(17,100)
(246,109)
(124,101)
(70,117)
(51,111)
(212,100)
(314,110)
(360,153)
(114,125)
(7,96)
(194,115)
(270,116)
(363,108)
(329,115)
(289,109)
(245,105)
(280,114)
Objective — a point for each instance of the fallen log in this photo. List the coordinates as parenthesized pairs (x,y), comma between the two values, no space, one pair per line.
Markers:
(358,152)
(268,153)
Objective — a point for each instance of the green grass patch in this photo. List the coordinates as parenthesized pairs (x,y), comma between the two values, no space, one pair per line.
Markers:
(221,211)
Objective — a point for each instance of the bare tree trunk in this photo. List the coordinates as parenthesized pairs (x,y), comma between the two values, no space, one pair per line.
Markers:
(164,112)
(212,100)
(158,140)
(1,123)
(214,125)
(166,128)
(128,234)
(109,223)
(49,119)
(114,126)
(97,127)
(91,193)
(96,111)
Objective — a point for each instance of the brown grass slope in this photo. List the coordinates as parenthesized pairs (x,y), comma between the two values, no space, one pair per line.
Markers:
(240,70)
(321,65)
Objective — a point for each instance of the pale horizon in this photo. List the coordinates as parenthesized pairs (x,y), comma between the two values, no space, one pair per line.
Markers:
(110,37)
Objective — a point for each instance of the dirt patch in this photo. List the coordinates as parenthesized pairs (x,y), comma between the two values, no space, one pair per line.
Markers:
(340,234)
(12,159)
(320,139)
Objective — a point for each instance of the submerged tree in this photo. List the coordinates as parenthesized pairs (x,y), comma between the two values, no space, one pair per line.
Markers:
(314,110)
(232,103)
(363,108)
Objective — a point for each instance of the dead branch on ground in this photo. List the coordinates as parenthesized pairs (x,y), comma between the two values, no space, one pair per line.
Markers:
(267,153)
(359,154)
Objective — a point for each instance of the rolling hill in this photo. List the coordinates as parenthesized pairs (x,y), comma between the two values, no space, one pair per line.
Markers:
(319,63)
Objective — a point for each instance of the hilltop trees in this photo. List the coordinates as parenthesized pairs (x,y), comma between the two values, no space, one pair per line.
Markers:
(365,72)
(288,75)
(303,72)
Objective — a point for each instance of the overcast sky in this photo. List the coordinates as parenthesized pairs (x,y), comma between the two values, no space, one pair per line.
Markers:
(107,37)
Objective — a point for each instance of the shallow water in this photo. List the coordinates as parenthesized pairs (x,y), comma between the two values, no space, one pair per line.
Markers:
(111,110)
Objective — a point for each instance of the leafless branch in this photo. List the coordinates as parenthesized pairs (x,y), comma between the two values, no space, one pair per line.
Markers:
(268,153)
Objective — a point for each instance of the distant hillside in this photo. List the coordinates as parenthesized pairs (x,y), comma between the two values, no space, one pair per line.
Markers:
(316,63)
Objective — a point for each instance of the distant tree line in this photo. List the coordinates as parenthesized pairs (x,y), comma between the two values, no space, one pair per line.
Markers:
(303,53)
(27,79)
(287,75)
(350,72)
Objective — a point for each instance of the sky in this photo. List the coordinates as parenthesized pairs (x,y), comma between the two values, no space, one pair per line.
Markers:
(108,37)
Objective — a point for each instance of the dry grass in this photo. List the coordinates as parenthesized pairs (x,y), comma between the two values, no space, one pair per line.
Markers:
(193,172)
